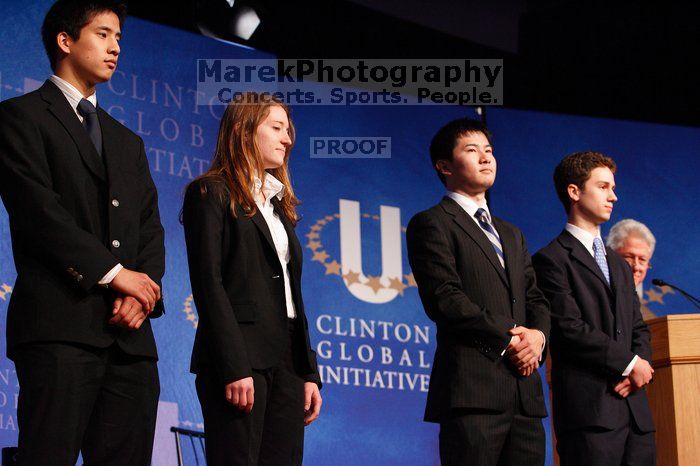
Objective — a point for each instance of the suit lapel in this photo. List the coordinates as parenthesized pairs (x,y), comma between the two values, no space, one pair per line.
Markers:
(59,107)
(579,253)
(510,249)
(294,246)
(260,222)
(475,233)
(616,278)
(110,146)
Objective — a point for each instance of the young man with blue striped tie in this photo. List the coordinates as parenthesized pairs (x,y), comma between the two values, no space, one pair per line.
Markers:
(477,284)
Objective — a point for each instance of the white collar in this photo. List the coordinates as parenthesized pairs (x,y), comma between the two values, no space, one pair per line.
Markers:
(469,206)
(73,95)
(271,188)
(584,237)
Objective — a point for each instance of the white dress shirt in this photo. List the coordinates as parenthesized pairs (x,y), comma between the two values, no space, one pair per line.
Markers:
(470,207)
(586,239)
(263,193)
(74,96)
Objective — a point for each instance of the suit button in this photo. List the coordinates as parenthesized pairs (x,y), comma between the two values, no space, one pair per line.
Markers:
(115,202)
(116,243)
(513,300)
(619,332)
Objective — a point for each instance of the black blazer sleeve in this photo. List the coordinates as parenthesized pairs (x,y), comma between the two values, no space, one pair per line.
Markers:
(151,257)
(445,302)
(204,218)
(27,191)
(536,305)
(587,344)
(641,336)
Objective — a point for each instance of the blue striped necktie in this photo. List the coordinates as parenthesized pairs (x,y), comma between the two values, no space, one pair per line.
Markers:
(599,254)
(491,233)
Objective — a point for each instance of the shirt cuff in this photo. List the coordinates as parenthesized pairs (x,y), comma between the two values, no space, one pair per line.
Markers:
(504,350)
(544,340)
(630,366)
(107,279)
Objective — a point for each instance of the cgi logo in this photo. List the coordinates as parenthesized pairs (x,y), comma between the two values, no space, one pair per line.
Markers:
(350,148)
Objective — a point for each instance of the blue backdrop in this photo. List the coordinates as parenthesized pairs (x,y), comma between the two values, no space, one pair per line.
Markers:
(374,342)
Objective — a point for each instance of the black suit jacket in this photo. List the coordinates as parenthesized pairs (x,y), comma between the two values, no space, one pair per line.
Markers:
(474,303)
(73,218)
(238,287)
(596,331)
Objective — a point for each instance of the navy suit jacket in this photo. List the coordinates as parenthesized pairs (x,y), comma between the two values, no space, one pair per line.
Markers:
(597,329)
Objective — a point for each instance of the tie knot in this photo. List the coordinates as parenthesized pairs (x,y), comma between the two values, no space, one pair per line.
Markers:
(481,215)
(86,108)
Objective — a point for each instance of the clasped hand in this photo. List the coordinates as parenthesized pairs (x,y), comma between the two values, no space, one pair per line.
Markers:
(137,297)
(525,349)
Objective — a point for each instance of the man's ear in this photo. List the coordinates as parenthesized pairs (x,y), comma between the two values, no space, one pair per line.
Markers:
(444,167)
(64,42)
(574,192)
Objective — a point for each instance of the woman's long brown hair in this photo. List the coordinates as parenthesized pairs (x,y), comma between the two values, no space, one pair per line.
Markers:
(237,160)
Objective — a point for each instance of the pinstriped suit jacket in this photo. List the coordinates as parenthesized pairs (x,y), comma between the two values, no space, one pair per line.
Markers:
(474,302)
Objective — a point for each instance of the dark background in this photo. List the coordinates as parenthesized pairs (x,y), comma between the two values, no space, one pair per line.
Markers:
(621,60)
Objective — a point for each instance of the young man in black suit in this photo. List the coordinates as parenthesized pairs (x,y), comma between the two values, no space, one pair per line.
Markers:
(476,282)
(600,344)
(88,248)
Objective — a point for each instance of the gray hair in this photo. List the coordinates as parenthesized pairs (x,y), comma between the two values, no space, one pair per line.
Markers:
(628,227)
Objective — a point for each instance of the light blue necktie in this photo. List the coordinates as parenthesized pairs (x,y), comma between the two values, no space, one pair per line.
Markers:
(491,234)
(599,254)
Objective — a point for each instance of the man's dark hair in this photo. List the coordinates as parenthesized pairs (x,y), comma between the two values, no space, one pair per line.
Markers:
(445,139)
(70,16)
(576,169)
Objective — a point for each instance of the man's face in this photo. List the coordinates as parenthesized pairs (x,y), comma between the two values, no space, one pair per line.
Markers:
(92,58)
(594,203)
(473,166)
(637,253)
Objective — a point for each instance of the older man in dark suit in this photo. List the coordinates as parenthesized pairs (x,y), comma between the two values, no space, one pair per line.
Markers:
(88,247)
(600,345)
(476,282)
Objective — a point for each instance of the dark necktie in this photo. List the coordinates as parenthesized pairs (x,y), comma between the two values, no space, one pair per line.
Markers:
(91,123)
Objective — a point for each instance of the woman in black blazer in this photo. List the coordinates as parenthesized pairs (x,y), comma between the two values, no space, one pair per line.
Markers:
(257,378)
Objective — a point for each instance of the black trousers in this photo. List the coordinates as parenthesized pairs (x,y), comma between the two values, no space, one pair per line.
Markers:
(271,434)
(624,446)
(75,398)
(477,437)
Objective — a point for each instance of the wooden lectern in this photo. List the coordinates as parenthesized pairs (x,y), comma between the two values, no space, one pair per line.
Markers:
(674,395)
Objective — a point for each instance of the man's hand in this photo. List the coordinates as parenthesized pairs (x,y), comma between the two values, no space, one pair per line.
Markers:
(139,285)
(312,402)
(641,374)
(624,387)
(241,394)
(128,313)
(529,369)
(528,350)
